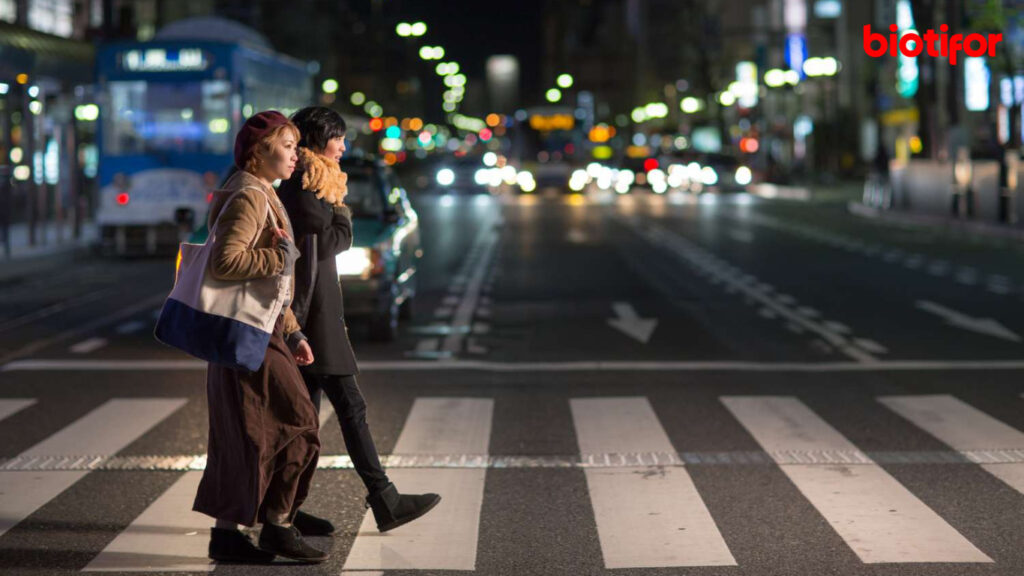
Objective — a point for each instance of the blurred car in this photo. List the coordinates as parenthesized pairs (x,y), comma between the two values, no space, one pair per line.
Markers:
(457,175)
(378,274)
(714,172)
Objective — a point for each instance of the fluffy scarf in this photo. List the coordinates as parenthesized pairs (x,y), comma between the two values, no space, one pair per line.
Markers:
(323,177)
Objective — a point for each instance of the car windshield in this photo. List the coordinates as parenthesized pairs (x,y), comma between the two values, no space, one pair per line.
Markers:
(364,192)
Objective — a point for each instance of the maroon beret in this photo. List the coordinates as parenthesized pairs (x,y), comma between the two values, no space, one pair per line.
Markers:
(255,127)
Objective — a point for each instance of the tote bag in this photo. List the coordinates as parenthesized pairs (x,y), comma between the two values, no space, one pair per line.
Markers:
(227,322)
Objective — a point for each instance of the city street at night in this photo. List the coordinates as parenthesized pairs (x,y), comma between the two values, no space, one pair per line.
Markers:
(743,386)
(531,288)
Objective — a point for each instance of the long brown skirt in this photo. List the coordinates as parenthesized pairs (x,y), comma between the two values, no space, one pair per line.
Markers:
(264,439)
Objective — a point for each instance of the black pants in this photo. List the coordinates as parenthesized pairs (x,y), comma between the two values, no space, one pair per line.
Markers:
(344,395)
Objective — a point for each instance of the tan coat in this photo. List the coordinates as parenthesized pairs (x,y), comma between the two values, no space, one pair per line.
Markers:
(237,253)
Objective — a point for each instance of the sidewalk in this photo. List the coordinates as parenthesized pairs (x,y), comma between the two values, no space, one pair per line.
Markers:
(947,224)
(53,245)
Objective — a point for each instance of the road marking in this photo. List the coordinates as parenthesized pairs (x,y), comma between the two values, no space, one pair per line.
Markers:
(631,324)
(167,537)
(60,365)
(87,346)
(11,406)
(877,517)
(186,462)
(986,326)
(130,327)
(963,427)
(700,258)
(326,410)
(447,537)
(102,432)
(870,346)
(484,249)
(647,517)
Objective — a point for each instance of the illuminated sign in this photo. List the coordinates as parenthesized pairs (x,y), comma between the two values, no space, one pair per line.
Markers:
(746,80)
(976,84)
(796,52)
(162,60)
(553,122)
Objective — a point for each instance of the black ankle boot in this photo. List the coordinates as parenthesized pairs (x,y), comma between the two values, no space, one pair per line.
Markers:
(391,509)
(286,541)
(234,547)
(310,525)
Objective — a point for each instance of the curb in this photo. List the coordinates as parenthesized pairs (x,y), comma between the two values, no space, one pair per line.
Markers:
(946,224)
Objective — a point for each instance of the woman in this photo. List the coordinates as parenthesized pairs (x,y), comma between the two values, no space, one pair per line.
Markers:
(313,197)
(264,437)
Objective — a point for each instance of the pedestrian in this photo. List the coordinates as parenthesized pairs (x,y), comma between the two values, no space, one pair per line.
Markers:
(314,198)
(264,432)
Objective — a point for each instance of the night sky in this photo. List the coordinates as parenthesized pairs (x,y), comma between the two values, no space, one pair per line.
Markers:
(473,30)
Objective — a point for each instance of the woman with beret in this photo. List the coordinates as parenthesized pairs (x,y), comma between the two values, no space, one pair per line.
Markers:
(264,434)
(314,198)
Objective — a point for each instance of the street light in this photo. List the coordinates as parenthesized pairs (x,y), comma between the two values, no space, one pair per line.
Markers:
(330,86)
(418,29)
(404,29)
(565,80)
(357,99)
(553,95)
(689,105)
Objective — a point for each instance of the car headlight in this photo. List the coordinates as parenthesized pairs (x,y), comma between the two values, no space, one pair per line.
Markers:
(445,177)
(709,176)
(743,176)
(354,262)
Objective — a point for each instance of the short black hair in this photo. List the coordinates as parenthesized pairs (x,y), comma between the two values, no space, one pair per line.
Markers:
(318,126)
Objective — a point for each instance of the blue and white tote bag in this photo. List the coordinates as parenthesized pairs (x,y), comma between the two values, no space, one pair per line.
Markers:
(227,322)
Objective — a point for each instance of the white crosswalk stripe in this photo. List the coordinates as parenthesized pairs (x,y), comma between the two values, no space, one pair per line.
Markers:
(878,517)
(11,406)
(446,538)
(963,427)
(646,517)
(103,431)
(167,537)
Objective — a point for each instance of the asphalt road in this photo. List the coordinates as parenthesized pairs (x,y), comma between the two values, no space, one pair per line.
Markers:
(637,385)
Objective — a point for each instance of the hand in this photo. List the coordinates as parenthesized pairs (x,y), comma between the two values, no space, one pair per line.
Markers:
(303,354)
(289,251)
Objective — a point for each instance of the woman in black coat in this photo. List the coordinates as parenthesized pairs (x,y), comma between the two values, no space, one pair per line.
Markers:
(314,197)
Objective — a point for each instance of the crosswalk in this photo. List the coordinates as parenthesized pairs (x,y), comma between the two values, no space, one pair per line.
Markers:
(647,510)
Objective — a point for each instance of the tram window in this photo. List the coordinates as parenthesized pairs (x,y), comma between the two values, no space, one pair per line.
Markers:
(179,117)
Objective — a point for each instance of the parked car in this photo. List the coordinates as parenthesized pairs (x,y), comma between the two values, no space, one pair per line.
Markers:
(379,273)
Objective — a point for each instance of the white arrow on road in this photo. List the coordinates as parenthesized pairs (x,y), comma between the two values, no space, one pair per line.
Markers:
(987,326)
(632,324)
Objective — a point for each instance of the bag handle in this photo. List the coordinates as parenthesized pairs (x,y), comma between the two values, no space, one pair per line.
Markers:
(259,230)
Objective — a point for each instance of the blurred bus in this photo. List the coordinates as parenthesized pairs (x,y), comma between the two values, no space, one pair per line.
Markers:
(169,110)
(552,138)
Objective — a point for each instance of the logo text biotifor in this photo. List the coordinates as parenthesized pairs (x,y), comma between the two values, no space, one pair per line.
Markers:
(911,44)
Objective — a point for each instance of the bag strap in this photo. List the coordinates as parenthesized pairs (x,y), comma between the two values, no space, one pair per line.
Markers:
(259,230)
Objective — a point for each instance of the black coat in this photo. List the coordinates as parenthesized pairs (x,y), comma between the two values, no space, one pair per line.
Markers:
(325,231)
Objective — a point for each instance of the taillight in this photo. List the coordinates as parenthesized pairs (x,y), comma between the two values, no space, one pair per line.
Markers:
(123,198)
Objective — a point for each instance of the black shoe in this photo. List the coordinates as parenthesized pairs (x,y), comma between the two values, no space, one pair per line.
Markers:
(391,509)
(234,547)
(310,525)
(287,542)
